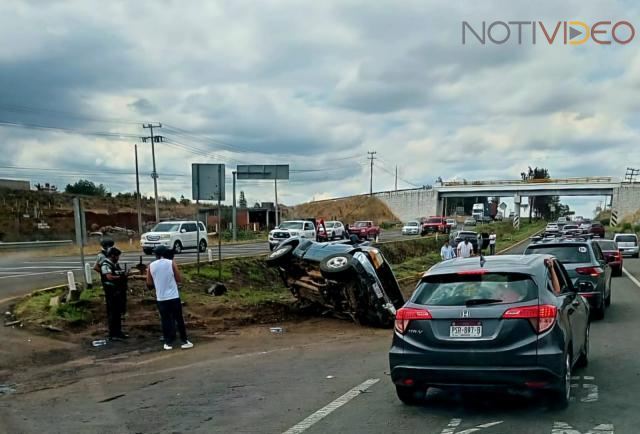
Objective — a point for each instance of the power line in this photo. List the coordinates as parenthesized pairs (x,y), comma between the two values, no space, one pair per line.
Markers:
(154,174)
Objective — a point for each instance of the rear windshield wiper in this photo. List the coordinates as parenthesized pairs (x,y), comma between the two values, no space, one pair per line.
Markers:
(477,301)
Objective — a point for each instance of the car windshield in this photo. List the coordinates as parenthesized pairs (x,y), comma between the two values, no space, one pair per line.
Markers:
(329,225)
(460,289)
(468,235)
(626,239)
(570,227)
(607,245)
(361,224)
(290,225)
(412,224)
(567,254)
(434,220)
(166,227)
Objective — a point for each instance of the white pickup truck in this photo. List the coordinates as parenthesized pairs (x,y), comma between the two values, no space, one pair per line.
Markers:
(292,228)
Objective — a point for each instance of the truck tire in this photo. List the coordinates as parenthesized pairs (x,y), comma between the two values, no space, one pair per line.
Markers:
(280,255)
(337,267)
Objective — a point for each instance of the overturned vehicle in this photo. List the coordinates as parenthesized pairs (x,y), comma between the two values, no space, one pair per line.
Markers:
(349,278)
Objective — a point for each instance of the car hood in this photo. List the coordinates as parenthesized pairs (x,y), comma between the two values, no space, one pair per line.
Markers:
(156,234)
(315,252)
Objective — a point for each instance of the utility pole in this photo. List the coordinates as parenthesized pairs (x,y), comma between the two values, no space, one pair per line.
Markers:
(396,177)
(138,193)
(631,175)
(154,174)
(371,157)
(276,190)
(234,230)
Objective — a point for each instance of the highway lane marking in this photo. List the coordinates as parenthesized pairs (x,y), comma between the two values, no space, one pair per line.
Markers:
(331,407)
(565,428)
(455,423)
(451,426)
(631,277)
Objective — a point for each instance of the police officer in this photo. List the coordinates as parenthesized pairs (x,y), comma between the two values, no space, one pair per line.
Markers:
(114,282)
(106,244)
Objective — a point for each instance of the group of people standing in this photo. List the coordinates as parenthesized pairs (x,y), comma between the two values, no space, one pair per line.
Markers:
(163,275)
(464,249)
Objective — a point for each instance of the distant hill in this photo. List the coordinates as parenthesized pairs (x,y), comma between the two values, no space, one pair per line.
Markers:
(346,210)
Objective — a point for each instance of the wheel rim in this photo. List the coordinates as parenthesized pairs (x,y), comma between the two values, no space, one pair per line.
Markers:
(278,252)
(177,248)
(337,262)
(567,379)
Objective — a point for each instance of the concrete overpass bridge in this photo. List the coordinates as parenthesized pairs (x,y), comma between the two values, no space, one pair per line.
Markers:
(409,204)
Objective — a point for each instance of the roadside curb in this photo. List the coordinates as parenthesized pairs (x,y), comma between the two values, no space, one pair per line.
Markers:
(32,293)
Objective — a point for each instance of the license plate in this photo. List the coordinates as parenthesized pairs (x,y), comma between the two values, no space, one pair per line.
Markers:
(465,330)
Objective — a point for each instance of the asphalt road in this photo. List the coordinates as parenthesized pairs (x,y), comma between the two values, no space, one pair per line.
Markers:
(25,271)
(329,376)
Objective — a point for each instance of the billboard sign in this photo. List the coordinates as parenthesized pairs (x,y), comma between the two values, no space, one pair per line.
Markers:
(260,171)
(207,181)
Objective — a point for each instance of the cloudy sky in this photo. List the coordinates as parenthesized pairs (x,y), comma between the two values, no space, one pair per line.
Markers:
(312,84)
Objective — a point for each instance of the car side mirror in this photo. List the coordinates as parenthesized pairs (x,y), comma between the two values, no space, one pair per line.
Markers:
(183,231)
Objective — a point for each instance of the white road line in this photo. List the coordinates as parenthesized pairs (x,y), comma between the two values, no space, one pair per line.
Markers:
(331,407)
(630,276)
(479,427)
(565,428)
(451,426)
(592,395)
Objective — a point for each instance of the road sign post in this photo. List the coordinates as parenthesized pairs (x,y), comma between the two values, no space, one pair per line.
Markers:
(77,214)
(207,183)
(261,171)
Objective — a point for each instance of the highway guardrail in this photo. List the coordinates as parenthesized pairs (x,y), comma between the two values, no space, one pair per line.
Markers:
(33,244)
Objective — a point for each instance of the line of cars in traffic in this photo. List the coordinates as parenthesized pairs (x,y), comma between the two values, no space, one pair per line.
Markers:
(320,230)
(511,322)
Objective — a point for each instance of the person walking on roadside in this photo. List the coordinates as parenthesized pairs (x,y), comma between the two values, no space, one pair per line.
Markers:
(465,249)
(492,243)
(114,283)
(447,252)
(164,276)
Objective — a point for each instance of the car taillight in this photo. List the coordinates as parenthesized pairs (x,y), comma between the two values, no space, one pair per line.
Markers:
(590,271)
(542,317)
(407,314)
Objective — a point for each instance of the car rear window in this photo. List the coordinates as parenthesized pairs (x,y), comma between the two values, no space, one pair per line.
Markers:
(458,289)
(626,239)
(607,245)
(567,254)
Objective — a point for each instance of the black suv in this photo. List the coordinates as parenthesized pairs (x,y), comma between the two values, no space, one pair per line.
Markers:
(586,265)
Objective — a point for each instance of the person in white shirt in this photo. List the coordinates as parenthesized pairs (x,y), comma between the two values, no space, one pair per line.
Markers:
(465,249)
(492,243)
(447,252)
(164,276)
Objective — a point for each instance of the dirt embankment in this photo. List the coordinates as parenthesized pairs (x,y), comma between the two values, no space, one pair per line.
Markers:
(346,210)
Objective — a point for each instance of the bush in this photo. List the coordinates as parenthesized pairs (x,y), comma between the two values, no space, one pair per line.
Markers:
(605,221)
(626,227)
(636,229)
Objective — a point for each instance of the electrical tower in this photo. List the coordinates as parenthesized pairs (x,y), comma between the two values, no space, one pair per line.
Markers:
(371,157)
(154,174)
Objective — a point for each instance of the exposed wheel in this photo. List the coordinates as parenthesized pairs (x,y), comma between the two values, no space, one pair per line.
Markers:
(177,247)
(410,395)
(338,266)
(583,360)
(279,255)
(599,312)
(202,246)
(147,251)
(562,394)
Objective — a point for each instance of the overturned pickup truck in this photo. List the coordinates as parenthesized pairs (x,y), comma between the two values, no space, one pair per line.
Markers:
(350,278)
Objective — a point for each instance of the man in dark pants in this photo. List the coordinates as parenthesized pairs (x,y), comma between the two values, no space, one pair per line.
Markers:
(164,276)
(114,283)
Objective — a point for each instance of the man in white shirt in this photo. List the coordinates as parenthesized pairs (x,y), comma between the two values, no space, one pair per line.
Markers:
(447,252)
(465,249)
(164,276)
(492,243)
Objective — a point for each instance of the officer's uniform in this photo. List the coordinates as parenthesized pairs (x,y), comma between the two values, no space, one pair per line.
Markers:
(115,295)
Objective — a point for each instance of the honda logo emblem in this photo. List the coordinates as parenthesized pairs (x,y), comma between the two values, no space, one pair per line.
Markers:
(465,314)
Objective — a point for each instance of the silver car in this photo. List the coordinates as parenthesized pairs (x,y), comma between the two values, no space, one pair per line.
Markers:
(411,228)
(627,244)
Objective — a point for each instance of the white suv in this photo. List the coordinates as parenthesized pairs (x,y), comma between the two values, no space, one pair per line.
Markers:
(291,228)
(175,235)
